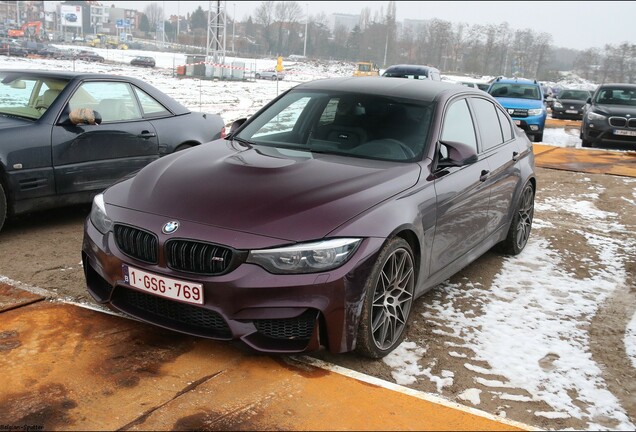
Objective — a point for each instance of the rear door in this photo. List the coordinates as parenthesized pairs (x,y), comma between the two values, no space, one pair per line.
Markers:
(498,148)
(92,157)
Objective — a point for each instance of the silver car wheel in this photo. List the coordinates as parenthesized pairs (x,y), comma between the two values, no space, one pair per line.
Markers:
(392,299)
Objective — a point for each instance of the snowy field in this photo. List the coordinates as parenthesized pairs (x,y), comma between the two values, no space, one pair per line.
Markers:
(528,329)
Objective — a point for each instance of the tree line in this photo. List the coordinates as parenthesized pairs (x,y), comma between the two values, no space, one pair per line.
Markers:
(278,28)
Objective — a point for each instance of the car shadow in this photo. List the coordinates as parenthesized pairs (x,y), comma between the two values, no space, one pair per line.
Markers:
(46,219)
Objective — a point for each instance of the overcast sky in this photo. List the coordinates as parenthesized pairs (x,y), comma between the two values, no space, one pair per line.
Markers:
(578,25)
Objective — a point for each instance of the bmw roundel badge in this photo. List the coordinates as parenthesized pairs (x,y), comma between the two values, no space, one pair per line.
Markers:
(170,227)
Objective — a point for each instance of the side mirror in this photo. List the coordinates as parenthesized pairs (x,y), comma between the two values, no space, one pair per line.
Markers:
(589,101)
(18,84)
(459,154)
(236,125)
(85,116)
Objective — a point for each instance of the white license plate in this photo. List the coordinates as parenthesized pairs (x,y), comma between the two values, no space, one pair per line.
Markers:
(518,122)
(571,111)
(162,286)
(624,132)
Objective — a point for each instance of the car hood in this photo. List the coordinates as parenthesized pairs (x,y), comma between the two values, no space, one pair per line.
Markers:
(285,194)
(12,122)
(615,110)
(575,102)
(520,103)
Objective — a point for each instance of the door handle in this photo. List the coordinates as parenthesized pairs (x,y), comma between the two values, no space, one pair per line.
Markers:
(515,156)
(146,134)
(484,175)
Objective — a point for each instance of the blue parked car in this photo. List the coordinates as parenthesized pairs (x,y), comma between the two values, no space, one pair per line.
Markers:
(523,99)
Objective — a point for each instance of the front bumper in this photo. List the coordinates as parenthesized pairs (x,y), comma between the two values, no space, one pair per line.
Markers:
(270,313)
(532,125)
(600,132)
(568,112)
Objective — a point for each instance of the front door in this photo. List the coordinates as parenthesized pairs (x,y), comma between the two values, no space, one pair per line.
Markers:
(92,157)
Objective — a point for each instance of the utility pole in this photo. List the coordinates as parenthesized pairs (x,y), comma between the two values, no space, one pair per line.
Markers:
(306,21)
(386,45)
(233,25)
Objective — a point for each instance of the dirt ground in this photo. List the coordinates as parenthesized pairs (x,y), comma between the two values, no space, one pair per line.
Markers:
(43,250)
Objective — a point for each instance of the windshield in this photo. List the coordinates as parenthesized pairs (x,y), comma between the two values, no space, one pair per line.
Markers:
(410,74)
(516,91)
(581,95)
(617,96)
(28,96)
(356,125)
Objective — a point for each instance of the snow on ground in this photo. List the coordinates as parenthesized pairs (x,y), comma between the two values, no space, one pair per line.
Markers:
(630,341)
(532,328)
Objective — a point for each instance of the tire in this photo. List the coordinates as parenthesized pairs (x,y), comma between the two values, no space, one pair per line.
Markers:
(586,143)
(183,147)
(258,76)
(538,137)
(273,78)
(521,225)
(388,300)
(3,206)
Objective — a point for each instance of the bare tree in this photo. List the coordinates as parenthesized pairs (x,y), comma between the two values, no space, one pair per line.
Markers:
(587,62)
(287,14)
(264,16)
(458,38)
(154,12)
(542,49)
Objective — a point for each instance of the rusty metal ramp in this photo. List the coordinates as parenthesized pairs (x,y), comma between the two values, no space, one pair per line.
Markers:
(586,160)
(70,368)
(11,298)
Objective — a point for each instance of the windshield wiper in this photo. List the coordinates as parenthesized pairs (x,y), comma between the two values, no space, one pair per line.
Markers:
(242,141)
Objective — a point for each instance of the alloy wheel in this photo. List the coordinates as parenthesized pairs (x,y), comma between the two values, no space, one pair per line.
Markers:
(392,299)
(525,213)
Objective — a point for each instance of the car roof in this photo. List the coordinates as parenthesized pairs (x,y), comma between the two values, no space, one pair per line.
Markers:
(516,80)
(626,85)
(425,90)
(410,67)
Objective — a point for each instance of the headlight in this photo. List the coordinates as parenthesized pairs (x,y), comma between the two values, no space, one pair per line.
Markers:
(535,112)
(98,215)
(305,257)
(591,116)
(557,105)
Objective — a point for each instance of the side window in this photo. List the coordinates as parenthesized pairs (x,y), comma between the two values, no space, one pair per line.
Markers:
(114,101)
(489,127)
(329,114)
(458,124)
(285,120)
(149,106)
(506,127)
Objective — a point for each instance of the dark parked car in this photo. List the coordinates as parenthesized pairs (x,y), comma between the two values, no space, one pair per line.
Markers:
(89,56)
(569,104)
(609,117)
(418,72)
(10,47)
(70,17)
(143,61)
(50,157)
(49,51)
(319,220)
